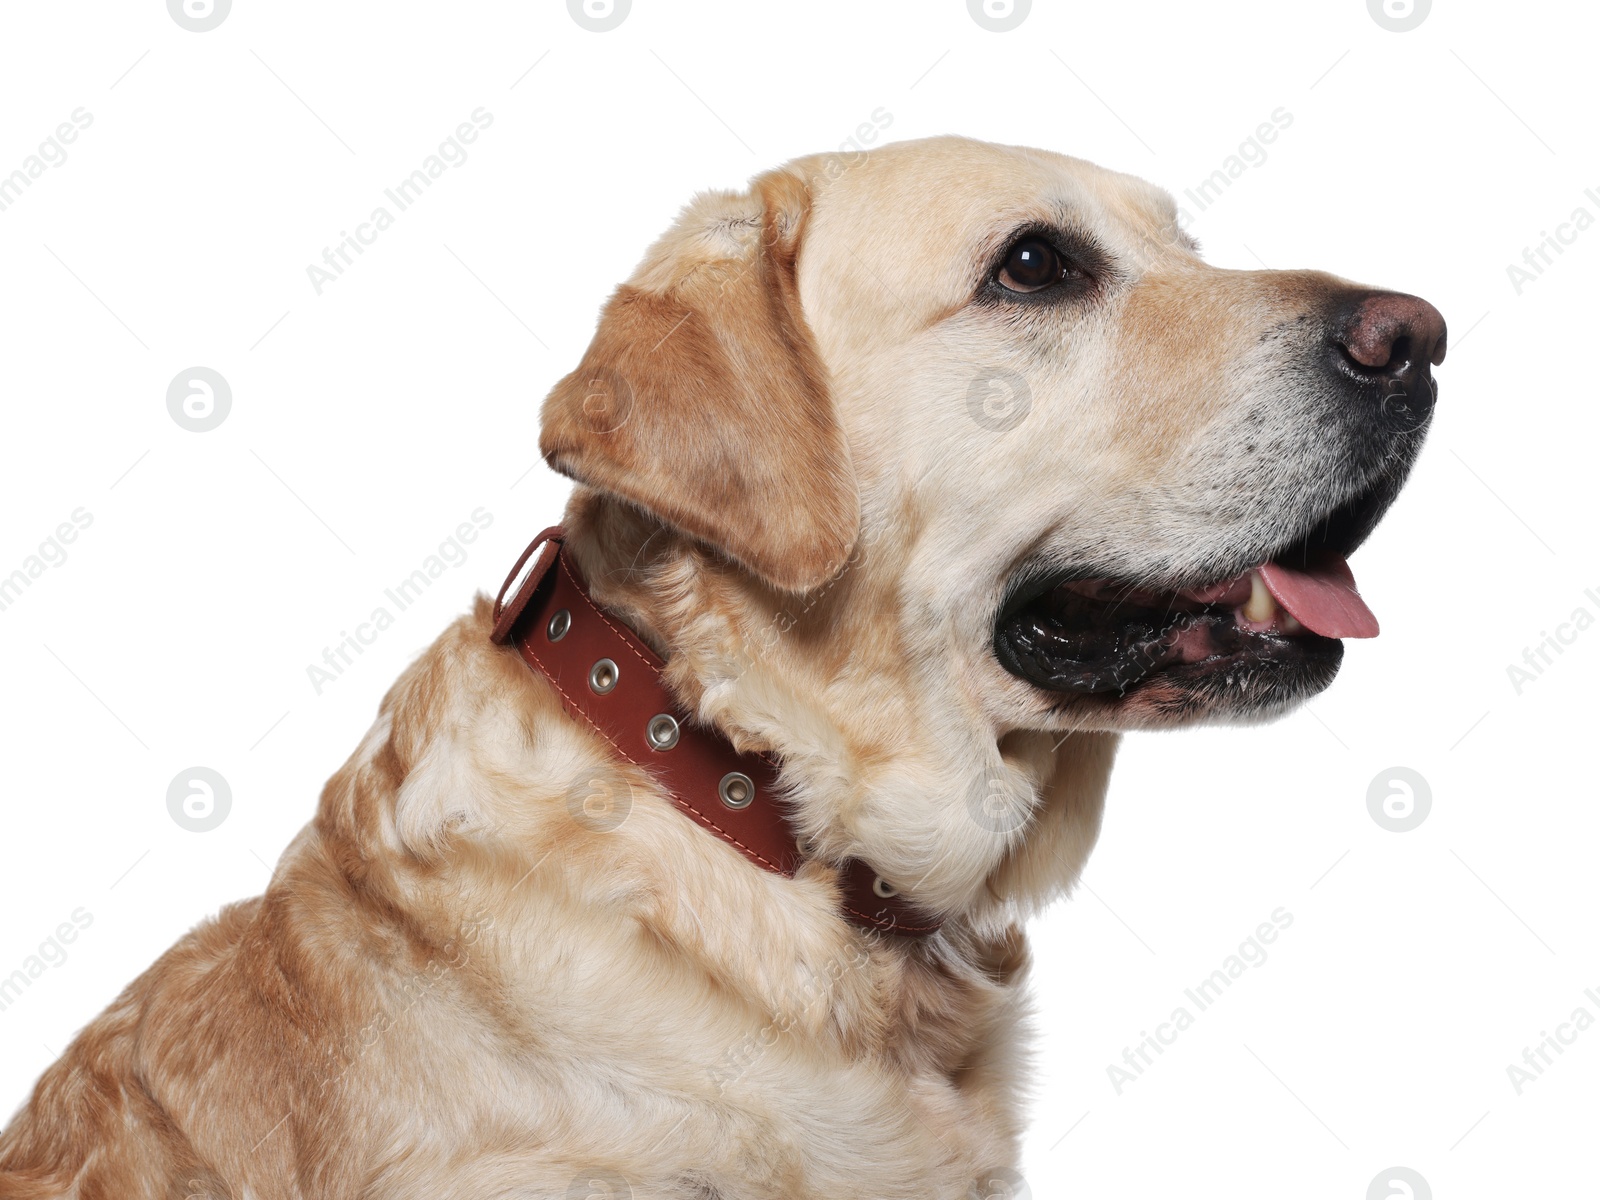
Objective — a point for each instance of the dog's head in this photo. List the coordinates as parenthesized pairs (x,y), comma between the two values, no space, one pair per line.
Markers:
(1114,484)
(931,467)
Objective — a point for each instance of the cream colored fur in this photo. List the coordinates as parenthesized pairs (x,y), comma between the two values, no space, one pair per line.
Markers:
(455,986)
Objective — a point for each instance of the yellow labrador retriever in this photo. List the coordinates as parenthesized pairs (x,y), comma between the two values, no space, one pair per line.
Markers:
(906,481)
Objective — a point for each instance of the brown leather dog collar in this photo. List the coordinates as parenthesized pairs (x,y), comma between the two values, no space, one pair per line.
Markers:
(610,680)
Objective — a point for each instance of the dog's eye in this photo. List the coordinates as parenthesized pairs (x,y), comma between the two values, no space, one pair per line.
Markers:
(1033,265)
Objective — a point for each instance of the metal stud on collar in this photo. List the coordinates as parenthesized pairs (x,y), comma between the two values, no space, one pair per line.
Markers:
(737,790)
(560,622)
(883,889)
(662,732)
(603,677)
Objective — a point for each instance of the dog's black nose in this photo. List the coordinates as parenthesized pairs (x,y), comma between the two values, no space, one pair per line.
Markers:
(1387,341)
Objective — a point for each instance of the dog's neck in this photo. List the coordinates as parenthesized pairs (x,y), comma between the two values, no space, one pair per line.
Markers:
(882,763)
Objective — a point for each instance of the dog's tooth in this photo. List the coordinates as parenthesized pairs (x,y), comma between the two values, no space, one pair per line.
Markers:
(1288,624)
(1261,607)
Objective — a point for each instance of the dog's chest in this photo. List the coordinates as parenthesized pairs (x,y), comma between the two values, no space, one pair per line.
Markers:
(820,1095)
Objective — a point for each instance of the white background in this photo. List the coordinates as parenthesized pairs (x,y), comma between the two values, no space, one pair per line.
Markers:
(369,421)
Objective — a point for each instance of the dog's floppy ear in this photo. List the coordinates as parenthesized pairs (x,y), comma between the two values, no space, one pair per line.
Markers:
(702,397)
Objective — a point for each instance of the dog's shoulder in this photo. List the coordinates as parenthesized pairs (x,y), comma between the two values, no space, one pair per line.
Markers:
(264,1010)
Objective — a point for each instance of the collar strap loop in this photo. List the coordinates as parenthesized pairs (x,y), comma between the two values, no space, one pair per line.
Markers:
(611,681)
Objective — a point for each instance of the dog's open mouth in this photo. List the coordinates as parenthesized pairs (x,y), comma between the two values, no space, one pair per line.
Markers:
(1104,636)
(1100,635)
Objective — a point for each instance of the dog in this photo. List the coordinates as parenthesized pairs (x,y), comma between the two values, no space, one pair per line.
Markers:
(908,478)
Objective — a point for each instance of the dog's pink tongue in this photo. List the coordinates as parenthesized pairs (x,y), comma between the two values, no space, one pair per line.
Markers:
(1322,598)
